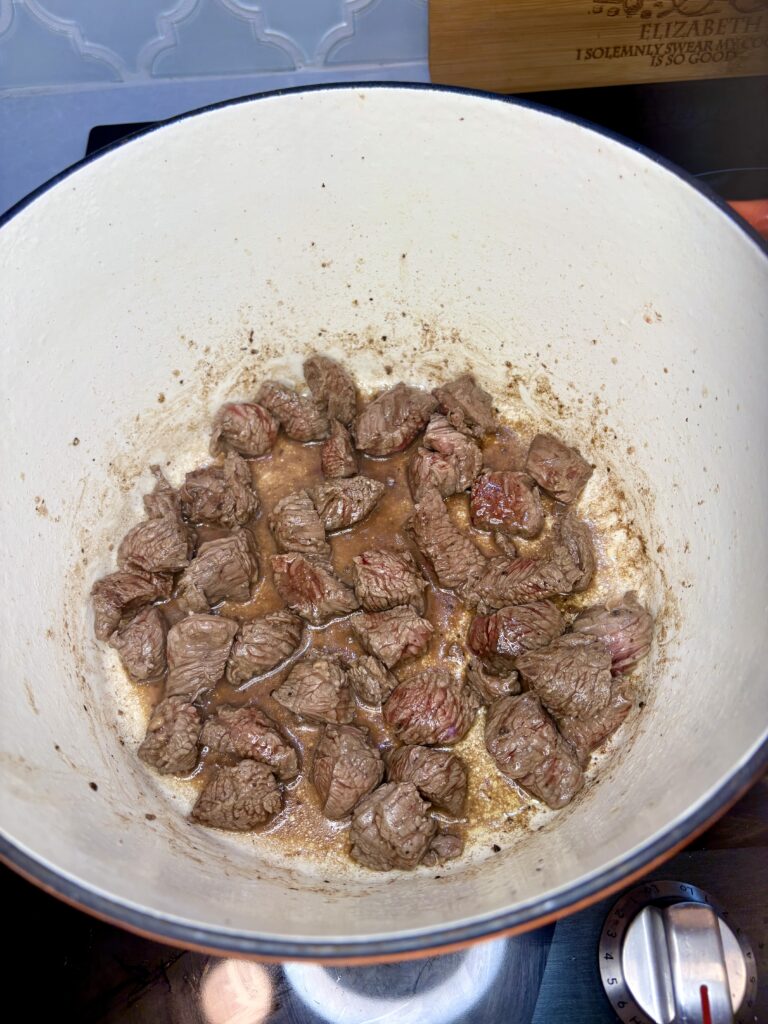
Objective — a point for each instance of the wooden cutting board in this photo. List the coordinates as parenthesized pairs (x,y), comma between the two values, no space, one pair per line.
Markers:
(529,45)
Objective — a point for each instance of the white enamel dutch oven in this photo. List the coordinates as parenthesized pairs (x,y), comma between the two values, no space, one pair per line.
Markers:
(429,231)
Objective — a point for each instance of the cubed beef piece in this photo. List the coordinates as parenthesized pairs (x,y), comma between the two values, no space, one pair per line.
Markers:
(391,421)
(500,638)
(392,635)
(508,502)
(121,593)
(262,644)
(198,648)
(311,589)
(385,579)
(572,675)
(391,828)
(370,680)
(448,462)
(337,456)
(576,538)
(296,526)
(317,691)
(162,500)
(342,503)
(521,580)
(301,418)
(624,626)
(346,767)
(467,406)
(433,707)
(170,746)
(332,388)
(454,558)
(587,734)
(238,798)
(558,469)
(220,495)
(445,846)
(226,569)
(141,645)
(526,746)
(439,775)
(248,732)
(488,687)
(164,544)
(243,427)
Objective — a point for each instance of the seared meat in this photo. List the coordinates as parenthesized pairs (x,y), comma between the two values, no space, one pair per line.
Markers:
(391,828)
(337,456)
(526,746)
(624,626)
(521,580)
(558,469)
(301,418)
(572,676)
(156,545)
(488,687)
(310,588)
(247,732)
(500,638)
(162,500)
(369,679)
(226,569)
(439,775)
(577,540)
(342,503)
(220,495)
(467,406)
(317,691)
(386,579)
(508,502)
(170,746)
(332,388)
(345,768)
(296,526)
(262,644)
(448,462)
(198,648)
(452,555)
(243,427)
(432,707)
(392,635)
(238,798)
(587,734)
(445,846)
(141,646)
(505,544)
(391,421)
(120,593)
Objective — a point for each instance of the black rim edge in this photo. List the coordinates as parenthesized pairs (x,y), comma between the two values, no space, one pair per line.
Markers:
(227,943)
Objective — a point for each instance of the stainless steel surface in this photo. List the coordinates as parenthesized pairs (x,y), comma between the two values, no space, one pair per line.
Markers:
(698,975)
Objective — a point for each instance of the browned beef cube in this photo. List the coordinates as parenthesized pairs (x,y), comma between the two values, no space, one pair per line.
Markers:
(500,638)
(508,502)
(343,503)
(332,388)
(141,646)
(521,580)
(386,579)
(162,499)
(445,846)
(391,828)
(156,545)
(452,555)
(433,707)
(317,691)
(624,626)
(558,469)
(220,495)
(243,427)
(310,588)
(576,538)
(467,406)
(448,462)
(392,635)
(337,456)
(391,421)
(226,569)
(248,732)
(488,687)
(526,746)
(371,682)
(345,768)
(121,593)
(587,734)
(198,648)
(262,644)
(170,746)
(301,418)
(572,676)
(238,798)
(439,775)
(296,526)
